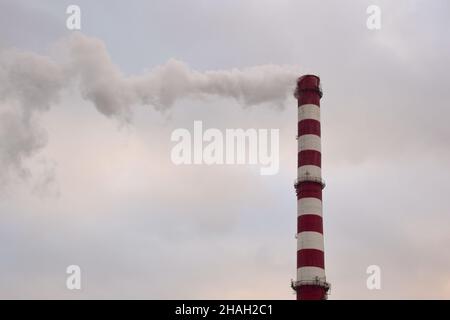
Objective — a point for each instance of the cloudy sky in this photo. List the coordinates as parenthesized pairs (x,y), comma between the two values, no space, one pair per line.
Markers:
(86,176)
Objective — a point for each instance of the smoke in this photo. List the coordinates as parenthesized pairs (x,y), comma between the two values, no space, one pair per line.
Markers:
(30,84)
(114,94)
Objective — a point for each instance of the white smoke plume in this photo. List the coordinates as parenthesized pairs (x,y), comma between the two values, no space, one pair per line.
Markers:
(113,94)
(30,84)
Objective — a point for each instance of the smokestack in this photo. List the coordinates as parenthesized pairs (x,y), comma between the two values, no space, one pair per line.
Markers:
(311,283)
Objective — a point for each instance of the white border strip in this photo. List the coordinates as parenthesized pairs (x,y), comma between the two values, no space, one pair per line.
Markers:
(309,206)
(310,240)
(309,142)
(309,171)
(308,111)
(310,274)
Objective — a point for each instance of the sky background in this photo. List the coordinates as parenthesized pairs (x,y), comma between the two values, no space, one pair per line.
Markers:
(105,195)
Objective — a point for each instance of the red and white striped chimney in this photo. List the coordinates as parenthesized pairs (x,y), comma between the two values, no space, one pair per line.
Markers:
(311,283)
